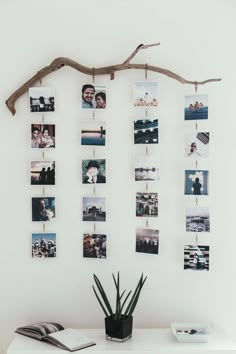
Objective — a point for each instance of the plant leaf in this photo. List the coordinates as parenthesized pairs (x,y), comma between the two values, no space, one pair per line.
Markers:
(133,302)
(103,295)
(100,302)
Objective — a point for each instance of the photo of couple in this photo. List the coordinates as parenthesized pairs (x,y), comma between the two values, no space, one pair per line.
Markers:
(93,96)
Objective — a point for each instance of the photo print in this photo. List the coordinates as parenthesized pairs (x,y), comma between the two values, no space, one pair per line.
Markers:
(197,219)
(147,204)
(146,168)
(43,136)
(94,209)
(94,171)
(145,94)
(44,245)
(146,131)
(43,172)
(93,133)
(95,246)
(196,182)
(42,99)
(93,96)
(43,209)
(197,144)
(196,257)
(196,107)
(147,241)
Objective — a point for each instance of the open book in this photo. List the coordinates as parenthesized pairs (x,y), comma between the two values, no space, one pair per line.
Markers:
(54,333)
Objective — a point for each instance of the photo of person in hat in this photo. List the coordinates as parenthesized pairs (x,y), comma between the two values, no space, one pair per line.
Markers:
(93,171)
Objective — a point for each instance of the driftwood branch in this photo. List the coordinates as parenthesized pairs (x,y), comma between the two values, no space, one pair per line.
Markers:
(58,63)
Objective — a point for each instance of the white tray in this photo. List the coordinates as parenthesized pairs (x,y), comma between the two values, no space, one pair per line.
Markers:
(185,332)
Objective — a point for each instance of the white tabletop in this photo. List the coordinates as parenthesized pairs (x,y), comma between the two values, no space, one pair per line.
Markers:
(153,340)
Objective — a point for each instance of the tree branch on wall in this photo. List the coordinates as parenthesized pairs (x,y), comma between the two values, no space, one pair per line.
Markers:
(58,63)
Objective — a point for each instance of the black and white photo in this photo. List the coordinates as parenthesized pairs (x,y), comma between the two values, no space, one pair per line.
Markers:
(42,99)
(147,241)
(147,204)
(196,257)
(197,219)
(94,209)
(146,168)
(94,171)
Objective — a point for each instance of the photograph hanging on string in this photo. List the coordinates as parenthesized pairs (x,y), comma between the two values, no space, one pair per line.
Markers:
(197,219)
(43,172)
(197,144)
(93,133)
(44,245)
(196,182)
(146,131)
(94,171)
(95,246)
(94,209)
(196,107)
(93,96)
(42,99)
(146,94)
(147,241)
(146,169)
(43,209)
(147,204)
(196,257)
(43,136)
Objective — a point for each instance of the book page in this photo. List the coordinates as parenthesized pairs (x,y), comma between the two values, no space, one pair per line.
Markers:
(71,338)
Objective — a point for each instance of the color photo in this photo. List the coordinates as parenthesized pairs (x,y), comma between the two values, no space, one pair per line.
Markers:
(43,136)
(146,131)
(196,182)
(197,144)
(95,246)
(43,209)
(145,94)
(196,257)
(196,107)
(147,204)
(43,245)
(42,172)
(93,133)
(93,96)
(147,241)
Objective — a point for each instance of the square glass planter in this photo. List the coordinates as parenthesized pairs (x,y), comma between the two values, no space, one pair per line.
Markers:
(119,330)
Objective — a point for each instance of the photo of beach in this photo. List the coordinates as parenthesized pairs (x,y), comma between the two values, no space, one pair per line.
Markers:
(93,133)
(196,107)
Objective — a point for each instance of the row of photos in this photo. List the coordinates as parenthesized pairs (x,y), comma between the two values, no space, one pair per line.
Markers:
(93,133)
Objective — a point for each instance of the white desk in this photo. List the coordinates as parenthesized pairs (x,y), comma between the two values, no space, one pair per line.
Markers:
(143,341)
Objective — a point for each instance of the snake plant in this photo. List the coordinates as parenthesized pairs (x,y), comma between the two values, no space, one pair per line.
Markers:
(124,305)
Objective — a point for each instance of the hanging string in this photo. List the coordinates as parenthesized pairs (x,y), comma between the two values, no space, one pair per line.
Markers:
(146,112)
(40,79)
(94,190)
(146,187)
(93,152)
(147,222)
(196,238)
(43,191)
(196,164)
(196,125)
(146,71)
(93,75)
(43,228)
(94,227)
(146,150)
(196,200)
(93,114)
(195,84)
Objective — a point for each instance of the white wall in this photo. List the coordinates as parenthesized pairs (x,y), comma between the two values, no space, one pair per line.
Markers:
(196,42)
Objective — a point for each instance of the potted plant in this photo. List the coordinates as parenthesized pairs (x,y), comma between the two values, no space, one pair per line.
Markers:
(118,321)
